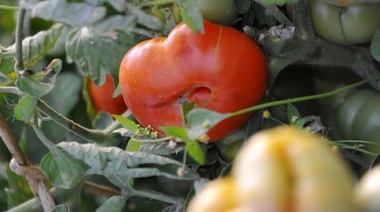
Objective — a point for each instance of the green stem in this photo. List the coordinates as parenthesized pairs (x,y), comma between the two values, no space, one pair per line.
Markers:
(7,7)
(155,3)
(19,36)
(48,144)
(90,135)
(300,99)
(156,140)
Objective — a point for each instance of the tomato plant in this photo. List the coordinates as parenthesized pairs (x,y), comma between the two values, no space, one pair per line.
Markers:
(159,75)
(354,24)
(102,97)
(218,12)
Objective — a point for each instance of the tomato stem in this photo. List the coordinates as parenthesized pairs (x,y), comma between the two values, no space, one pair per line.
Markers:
(300,99)
(7,7)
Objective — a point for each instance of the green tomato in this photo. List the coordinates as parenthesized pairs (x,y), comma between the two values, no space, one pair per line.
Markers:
(350,25)
(357,118)
(218,12)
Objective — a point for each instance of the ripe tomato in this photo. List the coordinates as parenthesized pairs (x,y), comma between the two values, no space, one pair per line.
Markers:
(355,24)
(218,12)
(222,70)
(102,97)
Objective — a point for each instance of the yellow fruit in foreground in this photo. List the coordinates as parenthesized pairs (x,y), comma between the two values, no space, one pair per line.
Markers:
(368,191)
(281,170)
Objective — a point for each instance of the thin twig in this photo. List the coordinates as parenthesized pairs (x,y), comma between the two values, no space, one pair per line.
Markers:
(99,190)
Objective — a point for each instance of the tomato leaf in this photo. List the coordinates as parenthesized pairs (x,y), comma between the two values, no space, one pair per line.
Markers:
(33,48)
(25,108)
(127,123)
(60,208)
(74,14)
(375,46)
(115,203)
(133,145)
(293,114)
(62,169)
(194,149)
(186,108)
(202,120)
(98,53)
(177,132)
(118,5)
(191,15)
(162,148)
(118,165)
(41,83)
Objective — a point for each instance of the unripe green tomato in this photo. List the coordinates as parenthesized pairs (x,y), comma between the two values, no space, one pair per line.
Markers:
(350,25)
(221,12)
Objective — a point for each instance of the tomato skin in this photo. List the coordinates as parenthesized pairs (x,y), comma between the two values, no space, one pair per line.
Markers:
(351,25)
(218,12)
(222,70)
(102,97)
(356,118)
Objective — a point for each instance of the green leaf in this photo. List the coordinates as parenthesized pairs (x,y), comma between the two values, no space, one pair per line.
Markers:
(33,48)
(115,203)
(145,19)
(127,123)
(195,151)
(64,96)
(202,120)
(175,131)
(375,46)
(293,114)
(133,145)
(118,165)
(25,108)
(191,15)
(74,14)
(60,208)
(162,148)
(62,169)
(118,5)
(98,53)
(186,108)
(41,83)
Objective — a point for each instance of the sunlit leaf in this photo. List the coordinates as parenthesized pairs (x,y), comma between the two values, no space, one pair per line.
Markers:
(25,108)
(62,169)
(195,151)
(126,123)
(133,145)
(202,120)
(74,14)
(177,132)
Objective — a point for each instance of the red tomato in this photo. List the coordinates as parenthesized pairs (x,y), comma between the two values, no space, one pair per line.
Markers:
(222,70)
(102,97)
